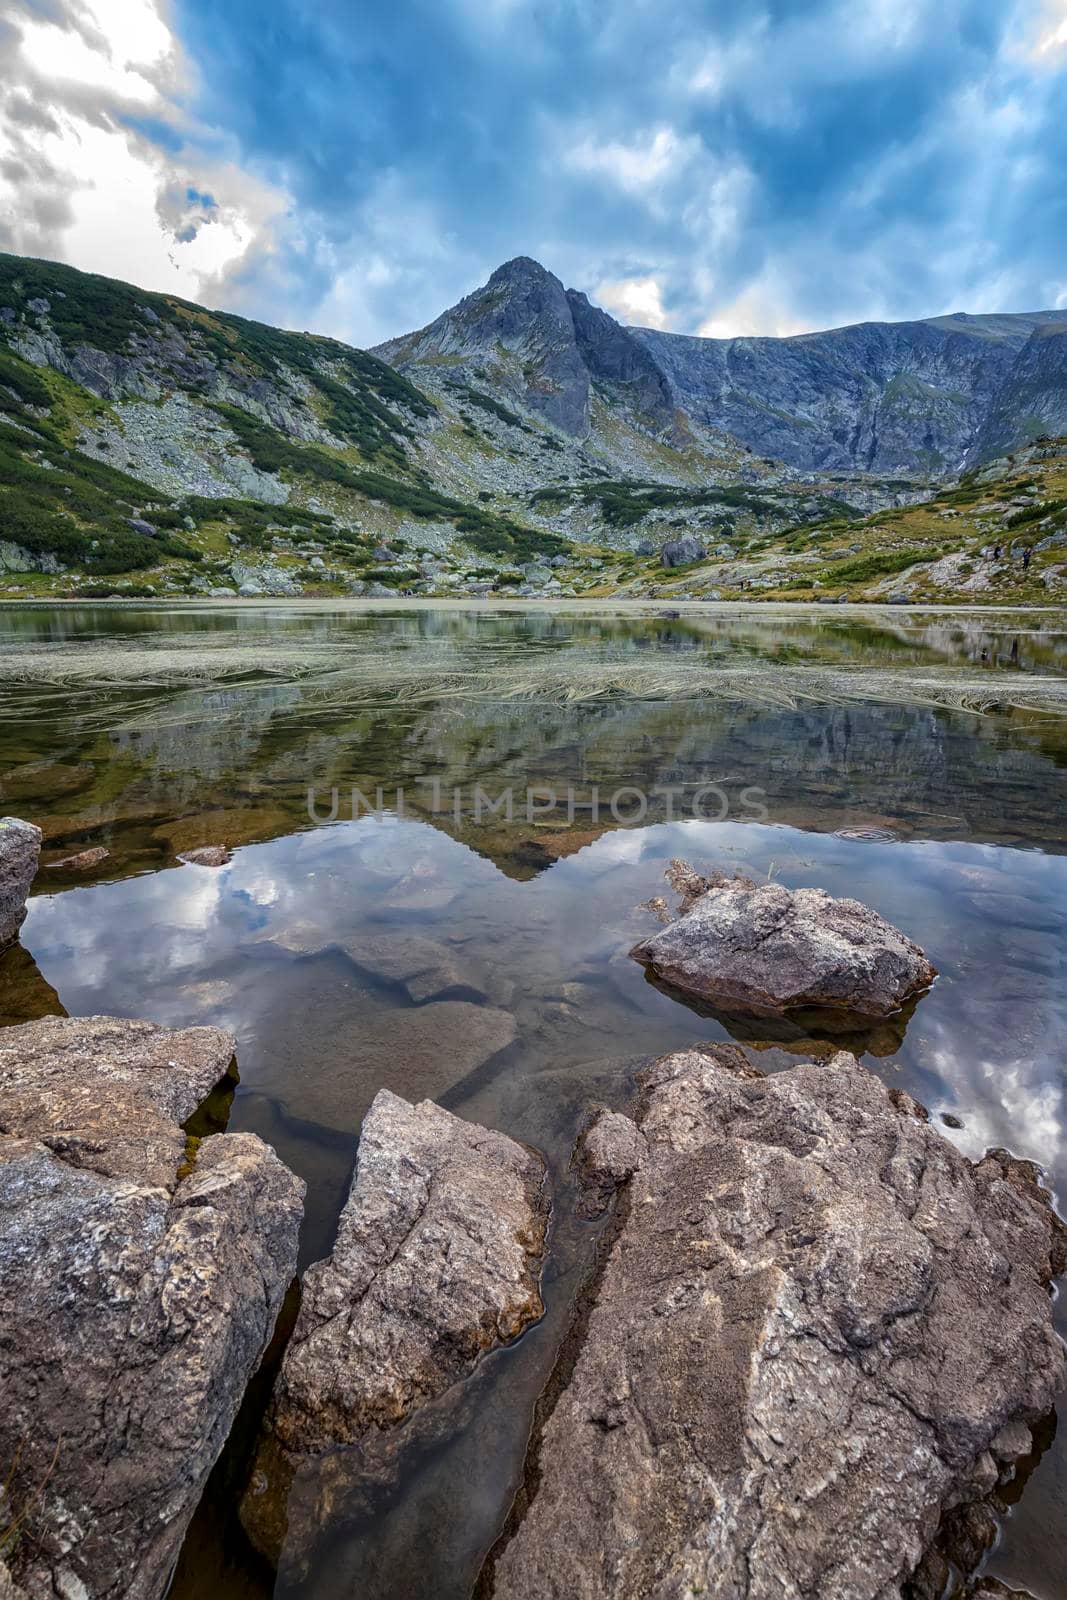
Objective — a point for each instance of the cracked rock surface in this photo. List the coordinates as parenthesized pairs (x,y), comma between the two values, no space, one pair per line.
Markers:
(819,1327)
(134,1304)
(437,1260)
(764,948)
(20,849)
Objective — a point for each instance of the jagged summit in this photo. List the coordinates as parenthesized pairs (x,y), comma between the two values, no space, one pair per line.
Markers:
(919,397)
(519,268)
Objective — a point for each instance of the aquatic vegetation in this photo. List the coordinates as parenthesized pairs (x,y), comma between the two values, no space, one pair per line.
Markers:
(363,669)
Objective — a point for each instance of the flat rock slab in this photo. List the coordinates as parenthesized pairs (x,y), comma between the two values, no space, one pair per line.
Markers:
(424,968)
(818,1327)
(437,1261)
(20,851)
(418,1051)
(135,1303)
(109,1093)
(764,949)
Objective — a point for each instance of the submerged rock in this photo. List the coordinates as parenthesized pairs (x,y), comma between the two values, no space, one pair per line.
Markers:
(419,1051)
(139,1283)
(437,1261)
(82,862)
(765,949)
(20,850)
(205,855)
(819,1326)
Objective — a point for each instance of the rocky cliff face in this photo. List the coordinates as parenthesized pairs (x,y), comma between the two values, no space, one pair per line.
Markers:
(914,397)
(517,330)
(909,396)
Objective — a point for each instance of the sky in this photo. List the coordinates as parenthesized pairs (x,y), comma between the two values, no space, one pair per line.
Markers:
(355,166)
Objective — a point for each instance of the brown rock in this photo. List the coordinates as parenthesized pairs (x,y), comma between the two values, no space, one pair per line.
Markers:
(205,855)
(80,862)
(813,1332)
(134,1304)
(20,849)
(764,949)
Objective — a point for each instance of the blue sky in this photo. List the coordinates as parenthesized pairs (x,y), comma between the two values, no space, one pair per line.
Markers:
(727,169)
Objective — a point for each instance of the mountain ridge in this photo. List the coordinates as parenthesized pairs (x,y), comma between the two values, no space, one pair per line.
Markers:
(924,396)
(524,443)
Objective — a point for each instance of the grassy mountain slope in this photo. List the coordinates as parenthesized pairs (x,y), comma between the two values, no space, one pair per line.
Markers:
(150,446)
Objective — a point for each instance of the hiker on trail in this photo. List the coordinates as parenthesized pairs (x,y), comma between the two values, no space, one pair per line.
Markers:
(1027,553)
(996,552)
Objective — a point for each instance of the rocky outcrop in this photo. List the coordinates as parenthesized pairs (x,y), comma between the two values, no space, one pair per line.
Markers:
(680,552)
(521,323)
(437,1261)
(20,850)
(819,1327)
(763,949)
(140,1277)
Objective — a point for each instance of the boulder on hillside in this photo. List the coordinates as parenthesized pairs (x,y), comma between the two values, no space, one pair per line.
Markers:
(681,552)
(819,1327)
(140,1277)
(437,1261)
(763,949)
(20,850)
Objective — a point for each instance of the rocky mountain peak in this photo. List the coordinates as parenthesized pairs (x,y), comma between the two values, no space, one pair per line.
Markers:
(522,269)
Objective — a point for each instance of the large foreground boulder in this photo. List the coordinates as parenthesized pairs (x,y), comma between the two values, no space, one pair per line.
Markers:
(437,1261)
(763,949)
(140,1278)
(20,850)
(819,1327)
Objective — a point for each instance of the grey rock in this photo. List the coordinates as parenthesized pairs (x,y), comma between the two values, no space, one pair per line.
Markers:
(765,949)
(610,1150)
(437,1262)
(20,850)
(264,580)
(899,599)
(137,1293)
(679,552)
(817,1330)
(426,970)
(13,558)
(223,592)
(380,591)
(139,525)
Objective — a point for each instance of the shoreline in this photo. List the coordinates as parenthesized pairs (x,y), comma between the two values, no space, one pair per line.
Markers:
(622,604)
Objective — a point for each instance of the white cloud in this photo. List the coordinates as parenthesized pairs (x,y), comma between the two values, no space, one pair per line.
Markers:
(653,158)
(79,182)
(1050,41)
(760,309)
(634,300)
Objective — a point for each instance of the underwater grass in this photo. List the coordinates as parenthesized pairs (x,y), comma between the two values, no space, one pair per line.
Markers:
(331,675)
